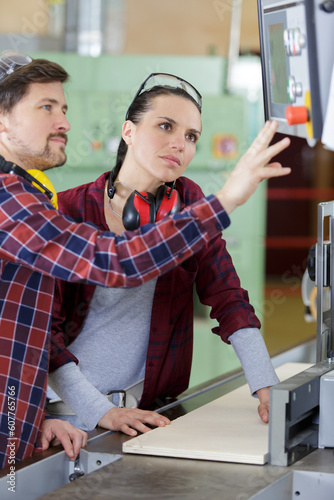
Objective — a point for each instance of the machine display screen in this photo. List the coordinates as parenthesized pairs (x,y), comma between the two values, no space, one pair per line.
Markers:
(275,62)
(278,68)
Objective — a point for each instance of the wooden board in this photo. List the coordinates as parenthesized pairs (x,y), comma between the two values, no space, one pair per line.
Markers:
(227,429)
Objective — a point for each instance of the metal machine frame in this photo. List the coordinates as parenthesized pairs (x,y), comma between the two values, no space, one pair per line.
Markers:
(295,403)
(294,415)
(324,270)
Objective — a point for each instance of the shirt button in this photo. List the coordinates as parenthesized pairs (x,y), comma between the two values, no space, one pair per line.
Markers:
(180,255)
(218,226)
(150,364)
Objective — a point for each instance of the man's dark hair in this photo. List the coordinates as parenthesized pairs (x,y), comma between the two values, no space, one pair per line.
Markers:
(16,85)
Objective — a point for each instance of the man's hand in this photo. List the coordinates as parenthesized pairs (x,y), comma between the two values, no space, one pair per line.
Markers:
(263,408)
(253,168)
(131,420)
(55,431)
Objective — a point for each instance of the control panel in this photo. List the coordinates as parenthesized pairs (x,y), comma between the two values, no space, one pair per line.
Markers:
(296,39)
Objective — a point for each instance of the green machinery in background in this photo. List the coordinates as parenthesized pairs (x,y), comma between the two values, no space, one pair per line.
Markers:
(99,93)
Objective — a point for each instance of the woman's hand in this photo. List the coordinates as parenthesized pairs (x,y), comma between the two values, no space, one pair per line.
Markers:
(55,431)
(263,408)
(131,420)
(253,168)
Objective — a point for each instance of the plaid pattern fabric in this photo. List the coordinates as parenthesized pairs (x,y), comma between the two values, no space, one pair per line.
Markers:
(169,354)
(38,245)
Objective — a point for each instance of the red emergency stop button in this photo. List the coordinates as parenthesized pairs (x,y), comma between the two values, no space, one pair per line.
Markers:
(296,115)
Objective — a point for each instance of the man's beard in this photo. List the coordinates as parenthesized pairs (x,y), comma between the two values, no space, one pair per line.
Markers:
(45,159)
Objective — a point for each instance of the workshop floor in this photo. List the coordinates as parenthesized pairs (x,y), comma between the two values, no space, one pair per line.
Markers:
(284,324)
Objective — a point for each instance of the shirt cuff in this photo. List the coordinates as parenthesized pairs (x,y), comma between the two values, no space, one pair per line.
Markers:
(254,358)
(87,402)
(211,215)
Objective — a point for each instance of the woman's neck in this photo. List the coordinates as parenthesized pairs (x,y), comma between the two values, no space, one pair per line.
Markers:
(135,177)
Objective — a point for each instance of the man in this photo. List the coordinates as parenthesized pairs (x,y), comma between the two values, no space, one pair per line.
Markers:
(38,245)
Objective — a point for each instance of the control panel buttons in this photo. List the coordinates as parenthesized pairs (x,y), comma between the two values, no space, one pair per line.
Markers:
(296,115)
(295,89)
(294,41)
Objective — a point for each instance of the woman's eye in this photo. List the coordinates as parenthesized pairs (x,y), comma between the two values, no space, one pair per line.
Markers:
(47,107)
(192,137)
(165,126)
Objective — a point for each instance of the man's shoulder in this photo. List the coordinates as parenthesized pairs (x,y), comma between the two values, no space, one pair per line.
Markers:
(6,178)
(13,185)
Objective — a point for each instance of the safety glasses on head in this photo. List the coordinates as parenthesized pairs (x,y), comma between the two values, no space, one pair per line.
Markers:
(10,61)
(168,81)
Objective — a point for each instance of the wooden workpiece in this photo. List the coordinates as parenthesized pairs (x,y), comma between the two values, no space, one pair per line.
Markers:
(227,429)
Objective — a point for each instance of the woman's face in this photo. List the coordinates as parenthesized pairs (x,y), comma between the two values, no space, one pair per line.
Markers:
(163,143)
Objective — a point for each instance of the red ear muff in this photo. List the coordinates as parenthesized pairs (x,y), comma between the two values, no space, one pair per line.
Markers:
(167,202)
(144,208)
(138,210)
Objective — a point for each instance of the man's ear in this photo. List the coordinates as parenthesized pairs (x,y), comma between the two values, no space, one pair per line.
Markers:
(127,130)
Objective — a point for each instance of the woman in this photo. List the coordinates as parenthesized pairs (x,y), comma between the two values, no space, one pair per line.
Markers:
(145,333)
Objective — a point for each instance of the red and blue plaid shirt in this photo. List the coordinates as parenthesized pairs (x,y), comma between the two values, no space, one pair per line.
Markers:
(37,245)
(169,354)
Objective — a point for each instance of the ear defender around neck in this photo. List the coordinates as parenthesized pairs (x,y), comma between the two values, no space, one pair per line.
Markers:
(139,209)
(144,208)
(43,183)
(167,201)
(36,177)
